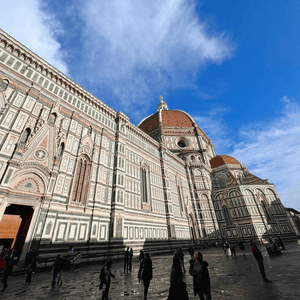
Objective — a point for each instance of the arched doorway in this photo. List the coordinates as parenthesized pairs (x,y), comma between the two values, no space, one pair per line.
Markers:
(14,227)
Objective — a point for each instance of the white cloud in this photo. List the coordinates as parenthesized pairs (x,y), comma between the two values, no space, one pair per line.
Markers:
(134,48)
(213,124)
(28,22)
(271,150)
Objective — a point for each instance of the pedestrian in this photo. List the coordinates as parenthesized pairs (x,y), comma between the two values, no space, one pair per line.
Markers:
(57,270)
(181,256)
(191,251)
(29,272)
(258,256)
(201,280)
(130,259)
(177,285)
(280,242)
(77,261)
(105,275)
(7,271)
(228,248)
(145,273)
(28,259)
(141,256)
(242,247)
(232,249)
(34,261)
(224,248)
(126,260)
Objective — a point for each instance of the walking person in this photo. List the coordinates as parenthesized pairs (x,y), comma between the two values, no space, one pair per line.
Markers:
(28,259)
(105,275)
(232,249)
(7,271)
(242,247)
(224,248)
(181,256)
(280,243)
(227,248)
(201,280)
(145,273)
(191,251)
(177,285)
(126,260)
(130,259)
(77,261)
(57,270)
(258,256)
(29,272)
(141,256)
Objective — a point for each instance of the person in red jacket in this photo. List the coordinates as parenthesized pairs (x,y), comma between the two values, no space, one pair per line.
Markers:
(258,256)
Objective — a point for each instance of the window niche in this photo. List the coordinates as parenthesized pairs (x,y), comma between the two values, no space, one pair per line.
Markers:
(145,187)
(81,181)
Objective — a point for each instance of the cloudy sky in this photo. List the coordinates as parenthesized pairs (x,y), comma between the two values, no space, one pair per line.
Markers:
(232,65)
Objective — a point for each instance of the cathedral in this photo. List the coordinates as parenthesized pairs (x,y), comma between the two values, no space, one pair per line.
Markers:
(74,173)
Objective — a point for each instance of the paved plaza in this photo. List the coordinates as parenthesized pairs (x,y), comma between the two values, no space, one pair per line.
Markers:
(231,278)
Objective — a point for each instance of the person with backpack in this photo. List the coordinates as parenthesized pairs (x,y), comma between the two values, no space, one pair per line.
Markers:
(77,261)
(201,280)
(145,273)
(105,275)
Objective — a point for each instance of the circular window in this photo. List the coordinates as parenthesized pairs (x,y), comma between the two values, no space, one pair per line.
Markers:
(181,144)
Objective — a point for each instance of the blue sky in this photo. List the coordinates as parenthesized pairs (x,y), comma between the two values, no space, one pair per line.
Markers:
(233,65)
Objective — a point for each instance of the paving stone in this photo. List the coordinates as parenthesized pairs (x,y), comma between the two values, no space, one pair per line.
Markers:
(231,278)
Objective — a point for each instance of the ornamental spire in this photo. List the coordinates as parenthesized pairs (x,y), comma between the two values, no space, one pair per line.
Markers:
(162,104)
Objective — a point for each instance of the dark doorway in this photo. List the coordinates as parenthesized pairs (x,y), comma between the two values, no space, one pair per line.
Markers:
(19,231)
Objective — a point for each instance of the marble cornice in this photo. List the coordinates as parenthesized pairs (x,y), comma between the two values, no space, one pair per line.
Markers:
(35,62)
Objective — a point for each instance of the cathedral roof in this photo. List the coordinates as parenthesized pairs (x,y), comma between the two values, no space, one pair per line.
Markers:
(169,118)
(221,160)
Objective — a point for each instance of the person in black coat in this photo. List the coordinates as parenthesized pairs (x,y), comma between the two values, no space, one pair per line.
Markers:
(259,258)
(105,275)
(57,269)
(141,256)
(201,280)
(177,285)
(242,247)
(7,271)
(145,273)
(126,260)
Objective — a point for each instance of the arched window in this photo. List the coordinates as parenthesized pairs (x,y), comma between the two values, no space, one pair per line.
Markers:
(266,211)
(3,85)
(52,118)
(25,135)
(48,228)
(227,216)
(144,186)
(81,180)
(61,149)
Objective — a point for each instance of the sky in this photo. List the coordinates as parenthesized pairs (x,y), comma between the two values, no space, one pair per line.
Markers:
(233,65)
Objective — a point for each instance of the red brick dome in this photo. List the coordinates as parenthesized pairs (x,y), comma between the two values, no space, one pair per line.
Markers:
(220,160)
(170,118)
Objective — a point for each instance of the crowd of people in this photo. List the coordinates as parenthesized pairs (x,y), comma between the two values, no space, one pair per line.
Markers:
(198,268)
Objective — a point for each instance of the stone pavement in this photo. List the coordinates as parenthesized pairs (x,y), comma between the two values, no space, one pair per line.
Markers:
(231,278)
